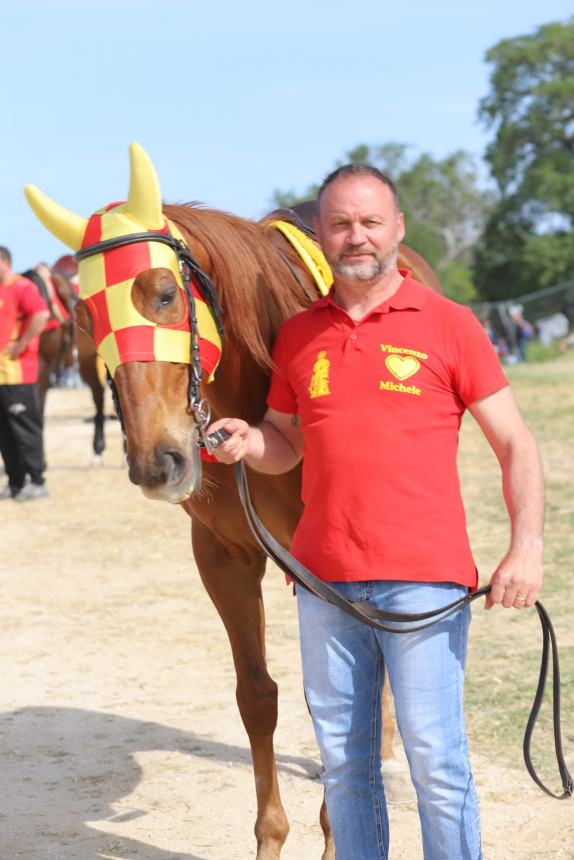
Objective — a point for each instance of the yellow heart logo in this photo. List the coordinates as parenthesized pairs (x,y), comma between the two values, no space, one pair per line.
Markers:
(402,366)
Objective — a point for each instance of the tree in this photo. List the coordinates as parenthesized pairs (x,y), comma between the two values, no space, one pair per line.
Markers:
(528,237)
(444,207)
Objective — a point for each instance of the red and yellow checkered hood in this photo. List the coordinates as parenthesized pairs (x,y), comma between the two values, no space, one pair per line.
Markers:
(121,333)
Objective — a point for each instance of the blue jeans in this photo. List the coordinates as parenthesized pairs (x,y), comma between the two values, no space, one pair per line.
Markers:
(343,672)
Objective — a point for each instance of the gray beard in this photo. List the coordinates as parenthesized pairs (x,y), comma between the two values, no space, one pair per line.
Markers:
(368,271)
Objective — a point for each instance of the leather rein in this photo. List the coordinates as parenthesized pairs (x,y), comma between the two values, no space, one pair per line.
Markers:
(377,619)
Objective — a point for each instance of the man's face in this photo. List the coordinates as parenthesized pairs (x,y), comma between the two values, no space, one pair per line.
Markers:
(359,228)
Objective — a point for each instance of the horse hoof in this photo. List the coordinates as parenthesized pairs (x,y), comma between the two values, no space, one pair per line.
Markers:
(398,787)
(97,461)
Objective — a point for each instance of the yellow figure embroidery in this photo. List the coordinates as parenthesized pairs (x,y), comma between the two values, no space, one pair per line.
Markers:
(319,385)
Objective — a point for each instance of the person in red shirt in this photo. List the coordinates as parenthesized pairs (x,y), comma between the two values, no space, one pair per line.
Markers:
(369,387)
(23,316)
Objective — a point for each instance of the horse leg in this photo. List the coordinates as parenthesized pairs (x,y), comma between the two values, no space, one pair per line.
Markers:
(233,582)
(48,355)
(329,852)
(89,373)
(43,383)
(389,726)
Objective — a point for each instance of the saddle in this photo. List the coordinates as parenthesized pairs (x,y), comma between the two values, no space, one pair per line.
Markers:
(42,280)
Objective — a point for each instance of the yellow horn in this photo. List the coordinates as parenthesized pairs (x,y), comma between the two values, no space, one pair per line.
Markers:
(66,226)
(144,197)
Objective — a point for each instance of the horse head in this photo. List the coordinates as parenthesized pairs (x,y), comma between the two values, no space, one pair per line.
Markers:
(141,302)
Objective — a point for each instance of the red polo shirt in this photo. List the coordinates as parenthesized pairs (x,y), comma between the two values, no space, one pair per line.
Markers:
(380,404)
(19,301)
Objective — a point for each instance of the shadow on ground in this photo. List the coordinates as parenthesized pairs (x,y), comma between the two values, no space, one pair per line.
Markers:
(64,767)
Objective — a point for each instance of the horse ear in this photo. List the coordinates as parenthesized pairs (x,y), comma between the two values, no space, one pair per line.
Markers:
(66,226)
(144,197)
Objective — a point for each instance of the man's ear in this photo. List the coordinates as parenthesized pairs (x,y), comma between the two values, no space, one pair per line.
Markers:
(401,226)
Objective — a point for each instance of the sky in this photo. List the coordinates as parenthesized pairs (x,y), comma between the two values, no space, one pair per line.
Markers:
(232,99)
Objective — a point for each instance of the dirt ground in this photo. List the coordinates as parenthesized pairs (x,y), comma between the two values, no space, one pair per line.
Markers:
(120,735)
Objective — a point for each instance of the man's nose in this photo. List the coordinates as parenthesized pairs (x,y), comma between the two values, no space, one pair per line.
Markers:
(356,234)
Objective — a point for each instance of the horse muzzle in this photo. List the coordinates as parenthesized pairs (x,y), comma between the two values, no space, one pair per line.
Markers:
(167,474)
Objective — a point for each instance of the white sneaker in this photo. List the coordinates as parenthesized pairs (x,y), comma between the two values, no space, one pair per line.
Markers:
(31,492)
(7,493)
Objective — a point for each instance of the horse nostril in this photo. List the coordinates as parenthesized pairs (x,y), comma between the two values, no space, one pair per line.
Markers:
(173,461)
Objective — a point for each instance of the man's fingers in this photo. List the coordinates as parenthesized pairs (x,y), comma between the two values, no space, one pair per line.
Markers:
(497,593)
(516,595)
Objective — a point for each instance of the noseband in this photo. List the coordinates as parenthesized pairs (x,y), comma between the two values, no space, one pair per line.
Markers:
(197,406)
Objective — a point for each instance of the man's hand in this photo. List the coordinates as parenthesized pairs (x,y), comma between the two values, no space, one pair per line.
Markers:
(14,350)
(517,580)
(274,446)
(34,328)
(236,447)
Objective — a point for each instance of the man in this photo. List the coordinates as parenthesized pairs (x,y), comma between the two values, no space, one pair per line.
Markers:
(370,385)
(23,316)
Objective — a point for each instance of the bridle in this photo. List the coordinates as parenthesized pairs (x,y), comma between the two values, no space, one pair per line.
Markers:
(198,407)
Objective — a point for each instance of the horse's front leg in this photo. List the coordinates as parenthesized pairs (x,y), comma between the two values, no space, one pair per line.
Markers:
(233,581)
(88,367)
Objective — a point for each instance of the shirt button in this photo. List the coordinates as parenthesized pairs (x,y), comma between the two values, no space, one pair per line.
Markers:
(353,337)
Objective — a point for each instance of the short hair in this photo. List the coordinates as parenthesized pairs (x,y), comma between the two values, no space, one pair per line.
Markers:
(358,169)
(5,254)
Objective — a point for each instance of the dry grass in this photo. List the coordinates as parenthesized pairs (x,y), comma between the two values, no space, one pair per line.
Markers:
(505,646)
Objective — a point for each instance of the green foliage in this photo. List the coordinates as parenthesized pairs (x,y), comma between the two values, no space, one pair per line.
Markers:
(531,107)
(457,283)
(537,352)
(527,242)
(444,208)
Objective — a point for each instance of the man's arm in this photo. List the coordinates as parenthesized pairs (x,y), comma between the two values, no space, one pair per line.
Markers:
(520,571)
(274,446)
(34,328)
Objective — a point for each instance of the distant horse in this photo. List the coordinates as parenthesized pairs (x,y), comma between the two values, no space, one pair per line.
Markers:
(63,345)
(133,302)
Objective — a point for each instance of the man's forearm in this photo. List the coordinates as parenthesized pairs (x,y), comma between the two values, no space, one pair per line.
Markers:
(523,487)
(269,451)
(265,447)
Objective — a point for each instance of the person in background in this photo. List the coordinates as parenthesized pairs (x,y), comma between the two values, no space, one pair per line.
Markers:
(370,384)
(23,316)
(523,330)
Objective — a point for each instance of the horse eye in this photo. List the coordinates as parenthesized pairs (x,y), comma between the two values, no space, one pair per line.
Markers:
(167,297)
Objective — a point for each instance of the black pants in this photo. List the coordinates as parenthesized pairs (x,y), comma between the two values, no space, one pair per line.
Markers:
(21,434)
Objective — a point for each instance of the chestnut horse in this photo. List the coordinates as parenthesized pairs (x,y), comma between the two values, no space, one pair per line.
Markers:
(260,282)
(63,346)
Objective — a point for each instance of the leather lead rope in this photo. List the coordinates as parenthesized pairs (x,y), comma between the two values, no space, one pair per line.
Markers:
(374,618)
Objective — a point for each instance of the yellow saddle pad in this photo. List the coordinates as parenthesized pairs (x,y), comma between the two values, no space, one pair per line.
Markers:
(310,253)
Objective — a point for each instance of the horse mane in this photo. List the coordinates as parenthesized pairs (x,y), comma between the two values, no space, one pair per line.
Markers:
(254,286)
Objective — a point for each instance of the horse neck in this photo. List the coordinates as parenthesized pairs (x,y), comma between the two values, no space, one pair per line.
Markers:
(255,287)
(240,386)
